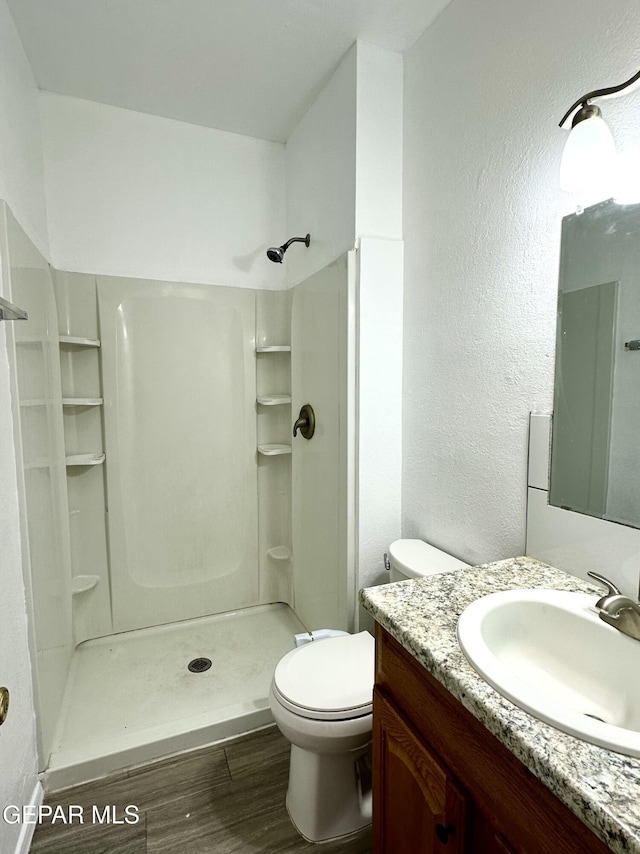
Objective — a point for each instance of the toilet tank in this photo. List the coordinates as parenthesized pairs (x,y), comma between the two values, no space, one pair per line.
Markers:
(415,559)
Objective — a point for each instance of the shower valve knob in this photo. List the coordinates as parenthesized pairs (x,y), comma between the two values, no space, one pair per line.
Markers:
(306,422)
(4,704)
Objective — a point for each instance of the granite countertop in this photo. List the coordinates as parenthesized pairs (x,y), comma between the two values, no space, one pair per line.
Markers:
(601,787)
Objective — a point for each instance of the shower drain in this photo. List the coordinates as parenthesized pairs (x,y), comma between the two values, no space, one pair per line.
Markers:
(199,665)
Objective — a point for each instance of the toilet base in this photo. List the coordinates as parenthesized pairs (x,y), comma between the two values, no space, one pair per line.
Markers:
(329,795)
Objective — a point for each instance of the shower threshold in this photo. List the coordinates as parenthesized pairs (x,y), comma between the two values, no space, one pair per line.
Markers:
(130,698)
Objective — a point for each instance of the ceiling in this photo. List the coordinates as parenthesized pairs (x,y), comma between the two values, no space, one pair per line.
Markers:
(247,66)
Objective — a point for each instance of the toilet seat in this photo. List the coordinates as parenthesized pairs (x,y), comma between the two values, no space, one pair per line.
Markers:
(328,680)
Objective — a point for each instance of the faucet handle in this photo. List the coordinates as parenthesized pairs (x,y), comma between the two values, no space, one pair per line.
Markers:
(612,590)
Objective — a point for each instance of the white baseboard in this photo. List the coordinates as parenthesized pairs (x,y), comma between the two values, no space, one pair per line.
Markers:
(27,830)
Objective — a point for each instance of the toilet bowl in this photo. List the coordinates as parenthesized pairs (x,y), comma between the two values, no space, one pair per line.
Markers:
(321,698)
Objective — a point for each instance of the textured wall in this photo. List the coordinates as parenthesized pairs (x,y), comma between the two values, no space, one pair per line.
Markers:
(485,87)
(321,175)
(130,194)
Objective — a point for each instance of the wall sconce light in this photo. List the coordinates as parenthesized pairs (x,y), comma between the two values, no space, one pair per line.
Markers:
(589,156)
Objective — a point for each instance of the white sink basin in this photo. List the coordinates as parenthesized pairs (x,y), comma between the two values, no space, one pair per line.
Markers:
(549,653)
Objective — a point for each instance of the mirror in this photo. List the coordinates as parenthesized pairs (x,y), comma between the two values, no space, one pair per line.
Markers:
(595,452)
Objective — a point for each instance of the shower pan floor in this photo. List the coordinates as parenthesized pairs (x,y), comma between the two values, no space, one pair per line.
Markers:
(131,698)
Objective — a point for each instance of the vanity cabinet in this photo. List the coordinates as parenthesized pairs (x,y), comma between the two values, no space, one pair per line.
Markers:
(443,783)
(424,805)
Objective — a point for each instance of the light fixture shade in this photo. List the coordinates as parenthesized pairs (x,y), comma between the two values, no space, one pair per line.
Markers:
(589,159)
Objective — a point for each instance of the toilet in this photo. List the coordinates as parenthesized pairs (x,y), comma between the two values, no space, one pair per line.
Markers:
(415,559)
(321,698)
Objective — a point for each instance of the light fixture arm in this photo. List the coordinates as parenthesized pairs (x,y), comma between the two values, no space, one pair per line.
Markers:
(600,93)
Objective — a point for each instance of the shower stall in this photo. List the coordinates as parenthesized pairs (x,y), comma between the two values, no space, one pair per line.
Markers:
(168,516)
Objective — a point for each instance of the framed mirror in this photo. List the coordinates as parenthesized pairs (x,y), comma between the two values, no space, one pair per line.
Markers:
(595,451)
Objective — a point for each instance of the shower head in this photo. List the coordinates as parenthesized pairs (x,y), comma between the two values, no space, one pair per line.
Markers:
(276,253)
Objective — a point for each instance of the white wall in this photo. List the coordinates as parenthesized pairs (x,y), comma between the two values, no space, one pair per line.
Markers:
(321,176)
(379,99)
(344,184)
(486,86)
(379,405)
(130,194)
(21,185)
(344,161)
(21,170)
(380,296)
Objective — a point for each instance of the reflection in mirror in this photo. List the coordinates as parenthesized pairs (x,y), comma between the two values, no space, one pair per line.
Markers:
(595,458)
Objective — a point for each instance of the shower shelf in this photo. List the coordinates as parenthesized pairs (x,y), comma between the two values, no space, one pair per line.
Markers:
(82,401)
(273,399)
(279,553)
(275,348)
(82,583)
(274,450)
(79,342)
(85,460)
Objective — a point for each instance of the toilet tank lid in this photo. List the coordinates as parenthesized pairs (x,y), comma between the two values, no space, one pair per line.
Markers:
(415,558)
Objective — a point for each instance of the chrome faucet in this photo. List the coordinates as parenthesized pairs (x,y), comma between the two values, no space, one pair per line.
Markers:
(616,609)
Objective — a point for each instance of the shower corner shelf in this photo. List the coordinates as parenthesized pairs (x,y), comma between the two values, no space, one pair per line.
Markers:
(82,583)
(82,401)
(279,553)
(274,348)
(85,459)
(274,450)
(273,399)
(79,342)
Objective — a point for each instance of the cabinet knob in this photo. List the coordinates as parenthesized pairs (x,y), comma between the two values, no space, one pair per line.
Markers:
(443,833)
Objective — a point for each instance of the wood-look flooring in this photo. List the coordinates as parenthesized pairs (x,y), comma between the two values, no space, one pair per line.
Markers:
(219,800)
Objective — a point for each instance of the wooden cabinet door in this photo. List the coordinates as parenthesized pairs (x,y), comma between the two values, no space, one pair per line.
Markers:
(418,807)
(485,839)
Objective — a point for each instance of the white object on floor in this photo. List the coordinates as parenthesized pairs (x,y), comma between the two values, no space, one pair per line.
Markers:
(318,635)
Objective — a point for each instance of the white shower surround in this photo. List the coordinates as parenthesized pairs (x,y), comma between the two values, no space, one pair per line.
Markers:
(130,697)
(150,333)
(179,385)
